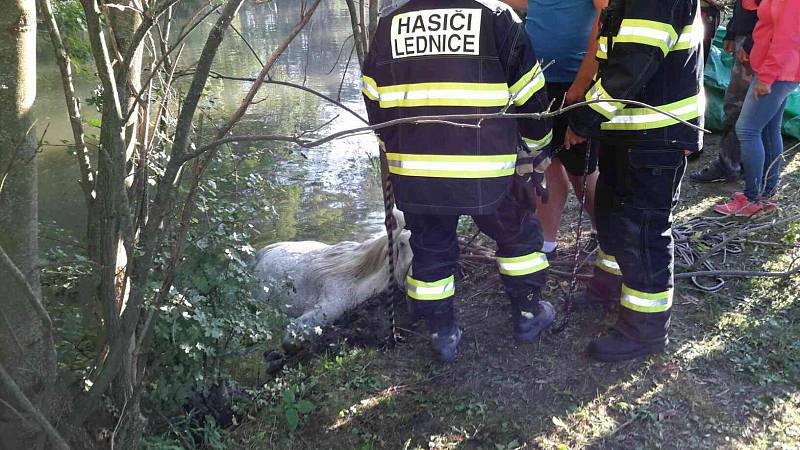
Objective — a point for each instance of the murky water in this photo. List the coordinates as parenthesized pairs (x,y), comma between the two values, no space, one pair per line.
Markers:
(329,193)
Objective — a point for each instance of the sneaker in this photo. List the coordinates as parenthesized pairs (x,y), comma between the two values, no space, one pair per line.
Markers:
(528,326)
(751,209)
(615,347)
(712,174)
(739,202)
(445,344)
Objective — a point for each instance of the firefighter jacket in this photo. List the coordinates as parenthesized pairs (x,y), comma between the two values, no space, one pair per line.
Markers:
(650,51)
(444,57)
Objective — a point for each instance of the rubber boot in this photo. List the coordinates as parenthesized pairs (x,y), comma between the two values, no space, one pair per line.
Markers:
(445,343)
(528,325)
(530,315)
(615,347)
(445,334)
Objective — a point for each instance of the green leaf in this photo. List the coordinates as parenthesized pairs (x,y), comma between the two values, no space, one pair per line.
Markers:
(292,418)
(304,406)
(288,396)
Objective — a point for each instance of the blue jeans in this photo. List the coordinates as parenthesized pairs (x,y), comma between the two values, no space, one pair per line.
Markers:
(759,132)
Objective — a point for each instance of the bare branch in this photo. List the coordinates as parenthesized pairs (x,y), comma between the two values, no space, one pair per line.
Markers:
(164,57)
(100,52)
(447,119)
(354,22)
(295,86)
(30,295)
(16,393)
(263,74)
(247,43)
(71,98)
(149,18)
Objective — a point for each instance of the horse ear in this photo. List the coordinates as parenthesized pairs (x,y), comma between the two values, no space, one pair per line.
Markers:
(399,218)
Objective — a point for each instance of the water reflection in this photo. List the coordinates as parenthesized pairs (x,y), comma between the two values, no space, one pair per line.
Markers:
(328,193)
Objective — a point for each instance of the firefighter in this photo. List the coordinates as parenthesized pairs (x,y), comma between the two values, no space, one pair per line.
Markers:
(439,57)
(650,51)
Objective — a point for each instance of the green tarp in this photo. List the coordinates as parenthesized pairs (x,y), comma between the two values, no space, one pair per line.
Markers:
(717,77)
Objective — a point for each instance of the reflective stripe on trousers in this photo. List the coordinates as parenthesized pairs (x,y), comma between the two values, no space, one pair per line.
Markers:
(645,302)
(434,290)
(522,265)
(607,263)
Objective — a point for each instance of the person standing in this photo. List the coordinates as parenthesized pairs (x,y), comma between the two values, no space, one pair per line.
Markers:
(438,57)
(564,34)
(776,62)
(653,55)
(738,42)
(710,13)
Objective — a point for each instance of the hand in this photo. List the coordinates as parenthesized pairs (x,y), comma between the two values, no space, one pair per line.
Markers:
(744,57)
(570,139)
(575,94)
(762,89)
(729,46)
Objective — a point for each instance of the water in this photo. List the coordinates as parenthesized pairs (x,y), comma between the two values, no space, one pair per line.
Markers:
(330,193)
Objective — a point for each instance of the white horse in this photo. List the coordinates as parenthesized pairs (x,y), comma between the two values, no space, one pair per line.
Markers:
(317,283)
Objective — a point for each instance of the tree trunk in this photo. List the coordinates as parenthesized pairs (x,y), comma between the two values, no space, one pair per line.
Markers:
(26,349)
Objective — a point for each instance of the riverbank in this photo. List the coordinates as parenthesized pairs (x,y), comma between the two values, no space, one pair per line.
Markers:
(728,379)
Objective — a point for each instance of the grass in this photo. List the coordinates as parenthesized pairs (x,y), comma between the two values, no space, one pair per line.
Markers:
(729,379)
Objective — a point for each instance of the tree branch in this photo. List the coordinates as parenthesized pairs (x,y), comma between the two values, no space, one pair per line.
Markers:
(22,400)
(447,119)
(30,295)
(333,101)
(73,108)
(263,75)
(100,52)
(354,23)
(143,258)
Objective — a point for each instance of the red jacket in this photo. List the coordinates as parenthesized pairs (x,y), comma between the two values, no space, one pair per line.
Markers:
(776,41)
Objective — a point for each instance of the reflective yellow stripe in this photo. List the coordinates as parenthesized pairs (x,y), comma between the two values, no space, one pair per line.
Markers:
(607,109)
(527,85)
(434,290)
(523,265)
(437,94)
(451,166)
(602,48)
(645,302)
(632,119)
(538,144)
(607,263)
(370,88)
(647,32)
(692,35)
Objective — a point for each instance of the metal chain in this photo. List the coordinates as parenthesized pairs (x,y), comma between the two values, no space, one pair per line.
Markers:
(578,229)
(391,226)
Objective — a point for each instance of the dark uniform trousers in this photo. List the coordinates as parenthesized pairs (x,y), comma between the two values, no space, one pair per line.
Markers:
(434,242)
(636,192)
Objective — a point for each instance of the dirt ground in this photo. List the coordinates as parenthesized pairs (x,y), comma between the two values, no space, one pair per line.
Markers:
(728,380)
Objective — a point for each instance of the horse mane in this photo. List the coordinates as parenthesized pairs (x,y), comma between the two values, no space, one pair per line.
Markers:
(357,260)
